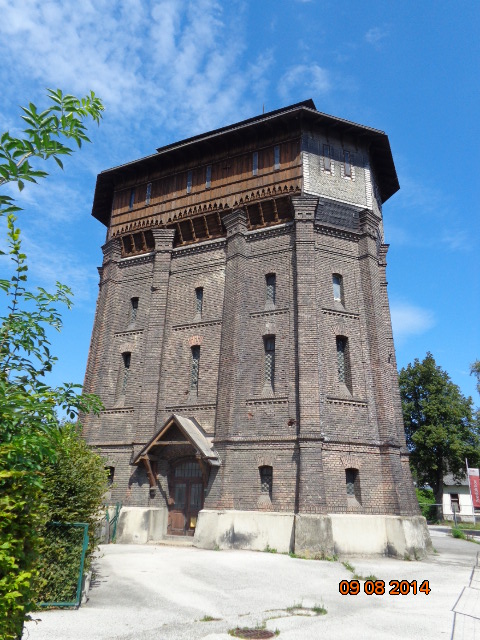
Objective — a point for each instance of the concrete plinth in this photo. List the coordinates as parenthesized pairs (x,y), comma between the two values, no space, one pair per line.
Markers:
(254,530)
(139,525)
(314,534)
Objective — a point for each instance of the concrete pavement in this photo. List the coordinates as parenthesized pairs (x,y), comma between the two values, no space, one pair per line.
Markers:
(145,592)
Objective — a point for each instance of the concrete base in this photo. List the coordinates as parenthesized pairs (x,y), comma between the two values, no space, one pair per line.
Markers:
(139,525)
(314,535)
(255,530)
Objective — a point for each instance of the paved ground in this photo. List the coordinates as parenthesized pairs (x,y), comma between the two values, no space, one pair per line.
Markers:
(162,593)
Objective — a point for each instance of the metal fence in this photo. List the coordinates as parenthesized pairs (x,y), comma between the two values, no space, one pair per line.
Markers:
(107,530)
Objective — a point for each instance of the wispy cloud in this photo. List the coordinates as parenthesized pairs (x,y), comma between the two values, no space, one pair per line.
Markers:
(167,63)
(303,81)
(409,320)
(375,35)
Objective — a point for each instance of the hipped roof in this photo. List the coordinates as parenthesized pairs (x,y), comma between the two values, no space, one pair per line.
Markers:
(303,114)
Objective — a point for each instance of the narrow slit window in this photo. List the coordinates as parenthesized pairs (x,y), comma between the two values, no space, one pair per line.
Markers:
(189,181)
(255,163)
(342,364)
(127,358)
(327,157)
(269,343)
(276,156)
(195,368)
(337,282)
(148,195)
(271,282)
(208,177)
(199,300)
(133,309)
(132,199)
(266,480)
(110,472)
(347,164)
(351,477)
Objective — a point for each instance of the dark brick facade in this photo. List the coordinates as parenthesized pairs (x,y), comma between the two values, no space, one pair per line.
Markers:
(309,427)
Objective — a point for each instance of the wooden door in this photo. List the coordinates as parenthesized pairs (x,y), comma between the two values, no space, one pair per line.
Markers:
(186,490)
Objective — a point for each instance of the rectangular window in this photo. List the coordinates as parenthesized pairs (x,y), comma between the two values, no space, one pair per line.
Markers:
(133,309)
(269,343)
(346,164)
(110,472)
(337,287)
(271,287)
(350,477)
(194,373)
(455,502)
(149,193)
(327,157)
(255,163)
(208,177)
(276,154)
(199,300)
(132,199)
(189,182)
(266,480)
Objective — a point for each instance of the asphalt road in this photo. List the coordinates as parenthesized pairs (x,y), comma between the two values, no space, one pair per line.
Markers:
(166,593)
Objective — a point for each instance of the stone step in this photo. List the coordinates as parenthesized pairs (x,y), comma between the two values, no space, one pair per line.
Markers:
(174,541)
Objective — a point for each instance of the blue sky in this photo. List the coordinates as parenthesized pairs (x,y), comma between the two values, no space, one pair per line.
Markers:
(168,70)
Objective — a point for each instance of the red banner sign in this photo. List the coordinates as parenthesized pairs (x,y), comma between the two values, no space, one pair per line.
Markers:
(474,480)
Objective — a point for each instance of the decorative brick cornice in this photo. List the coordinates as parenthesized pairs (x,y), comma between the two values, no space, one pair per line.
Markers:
(270,312)
(122,410)
(273,231)
(191,407)
(135,260)
(265,401)
(128,334)
(337,232)
(353,402)
(199,247)
(341,314)
(197,325)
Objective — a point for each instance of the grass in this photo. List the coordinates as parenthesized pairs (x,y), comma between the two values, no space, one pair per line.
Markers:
(357,576)
(208,619)
(315,556)
(269,549)
(458,533)
(318,609)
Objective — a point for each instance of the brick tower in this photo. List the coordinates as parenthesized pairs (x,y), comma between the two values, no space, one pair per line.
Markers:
(242,343)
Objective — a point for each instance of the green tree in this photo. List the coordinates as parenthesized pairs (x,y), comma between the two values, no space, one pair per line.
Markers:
(439,425)
(475,371)
(28,405)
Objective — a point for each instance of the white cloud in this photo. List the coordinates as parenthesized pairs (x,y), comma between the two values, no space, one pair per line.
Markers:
(375,35)
(409,320)
(167,64)
(303,81)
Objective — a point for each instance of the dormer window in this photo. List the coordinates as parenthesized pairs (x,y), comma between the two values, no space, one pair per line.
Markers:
(347,167)
(327,158)
(255,163)
(276,157)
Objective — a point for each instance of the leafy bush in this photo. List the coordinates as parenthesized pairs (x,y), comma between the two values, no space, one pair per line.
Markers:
(74,485)
(426,501)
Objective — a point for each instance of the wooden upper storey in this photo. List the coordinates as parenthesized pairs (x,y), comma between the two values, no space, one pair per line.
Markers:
(255,164)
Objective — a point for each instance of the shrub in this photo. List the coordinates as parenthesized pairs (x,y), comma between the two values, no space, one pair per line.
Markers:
(74,487)
(426,501)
